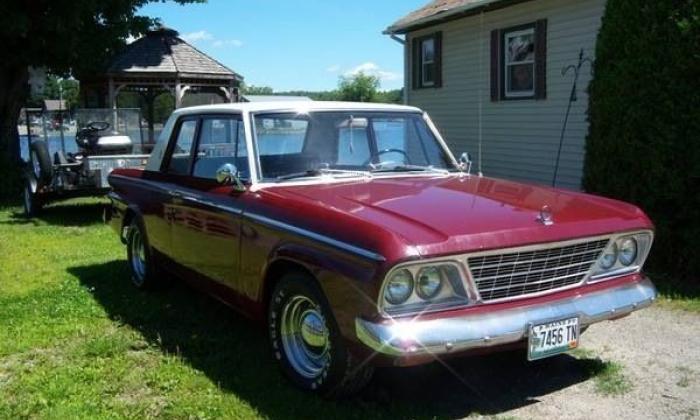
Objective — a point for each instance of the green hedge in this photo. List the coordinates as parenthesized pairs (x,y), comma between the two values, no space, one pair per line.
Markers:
(644,112)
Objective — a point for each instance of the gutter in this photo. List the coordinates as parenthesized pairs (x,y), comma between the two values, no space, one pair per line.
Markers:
(402,41)
(469,9)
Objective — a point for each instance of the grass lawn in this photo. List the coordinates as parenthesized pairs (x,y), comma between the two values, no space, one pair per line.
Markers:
(77,341)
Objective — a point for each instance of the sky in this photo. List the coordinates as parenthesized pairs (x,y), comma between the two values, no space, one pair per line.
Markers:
(294,45)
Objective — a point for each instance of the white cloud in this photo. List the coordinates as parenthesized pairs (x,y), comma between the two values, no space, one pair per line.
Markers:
(201,36)
(227,43)
(333,69)
(373,69)
(197,36)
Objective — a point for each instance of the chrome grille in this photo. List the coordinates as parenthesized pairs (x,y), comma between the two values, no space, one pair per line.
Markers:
(499,276)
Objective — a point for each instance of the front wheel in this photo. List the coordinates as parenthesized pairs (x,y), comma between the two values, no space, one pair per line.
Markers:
(306,340)
(144,272)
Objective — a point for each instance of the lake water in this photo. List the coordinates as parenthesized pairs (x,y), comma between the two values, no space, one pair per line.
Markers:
(54,145)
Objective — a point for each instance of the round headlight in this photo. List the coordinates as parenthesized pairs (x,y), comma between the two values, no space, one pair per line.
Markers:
(628,251)
(399,287)
(609,257)
(429,282)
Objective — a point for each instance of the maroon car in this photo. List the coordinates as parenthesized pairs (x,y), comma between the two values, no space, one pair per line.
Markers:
(352,232)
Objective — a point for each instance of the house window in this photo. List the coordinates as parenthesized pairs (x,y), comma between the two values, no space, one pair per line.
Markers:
(427,68)
(427,62)
(518,61)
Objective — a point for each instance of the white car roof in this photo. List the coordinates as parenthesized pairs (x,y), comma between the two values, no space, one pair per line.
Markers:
(156,157)
(293,105)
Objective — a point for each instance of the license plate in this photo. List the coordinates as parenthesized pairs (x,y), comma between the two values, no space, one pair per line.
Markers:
(553,337)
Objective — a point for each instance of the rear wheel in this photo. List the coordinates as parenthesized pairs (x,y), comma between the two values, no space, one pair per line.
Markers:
(306,340)
(32,203)
(144,272)
(41,162)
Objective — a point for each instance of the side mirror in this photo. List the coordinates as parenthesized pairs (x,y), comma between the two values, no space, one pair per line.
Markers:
(465,162)
(227,174)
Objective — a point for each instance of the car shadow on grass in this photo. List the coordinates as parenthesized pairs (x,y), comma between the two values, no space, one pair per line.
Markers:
(78,212)
(233,353)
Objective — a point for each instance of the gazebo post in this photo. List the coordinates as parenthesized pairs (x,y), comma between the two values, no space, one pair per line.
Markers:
(150,99)
(112,100)
(178,94)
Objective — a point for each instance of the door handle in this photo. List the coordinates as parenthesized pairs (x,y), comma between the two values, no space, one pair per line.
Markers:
(175,194)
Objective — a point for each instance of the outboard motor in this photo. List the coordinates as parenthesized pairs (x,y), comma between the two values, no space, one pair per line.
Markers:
(92,143)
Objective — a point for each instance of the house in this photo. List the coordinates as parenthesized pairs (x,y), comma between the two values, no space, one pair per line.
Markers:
(490,74)
(55,105)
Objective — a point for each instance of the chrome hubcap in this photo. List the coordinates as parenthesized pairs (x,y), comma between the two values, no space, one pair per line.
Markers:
(305,336)
(138,257)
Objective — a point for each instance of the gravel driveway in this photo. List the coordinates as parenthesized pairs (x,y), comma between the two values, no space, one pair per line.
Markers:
(657,348)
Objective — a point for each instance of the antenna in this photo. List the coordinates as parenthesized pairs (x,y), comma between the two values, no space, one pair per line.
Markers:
(481,88)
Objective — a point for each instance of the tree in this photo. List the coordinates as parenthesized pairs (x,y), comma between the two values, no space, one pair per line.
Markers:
(65,37)
(257,90)
(359,87)
(644,114)
(58,87)
(390,96)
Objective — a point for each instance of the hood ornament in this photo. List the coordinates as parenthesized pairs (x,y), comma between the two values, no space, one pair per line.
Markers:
(545,216)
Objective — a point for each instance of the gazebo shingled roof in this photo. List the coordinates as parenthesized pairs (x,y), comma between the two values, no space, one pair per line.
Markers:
(160,62)
(162,51)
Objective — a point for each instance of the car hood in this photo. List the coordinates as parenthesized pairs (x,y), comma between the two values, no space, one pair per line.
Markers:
(443,215)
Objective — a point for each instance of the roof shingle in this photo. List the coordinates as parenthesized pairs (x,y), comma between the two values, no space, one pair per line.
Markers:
(163,51)
(434,10)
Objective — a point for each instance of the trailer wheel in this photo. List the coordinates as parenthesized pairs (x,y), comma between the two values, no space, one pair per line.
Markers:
(41,161)
(32,203)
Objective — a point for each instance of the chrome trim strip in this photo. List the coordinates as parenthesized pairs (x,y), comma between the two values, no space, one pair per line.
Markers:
(204,202)
(317,237)
(262,219)
(409,337)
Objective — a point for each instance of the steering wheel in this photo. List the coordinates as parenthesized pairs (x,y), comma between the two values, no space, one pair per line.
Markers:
(385,151)
(98,125)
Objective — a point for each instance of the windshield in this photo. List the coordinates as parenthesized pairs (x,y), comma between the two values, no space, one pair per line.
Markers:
(291,145)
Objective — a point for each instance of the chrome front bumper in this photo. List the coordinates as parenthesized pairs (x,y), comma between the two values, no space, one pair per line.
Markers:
(408,337)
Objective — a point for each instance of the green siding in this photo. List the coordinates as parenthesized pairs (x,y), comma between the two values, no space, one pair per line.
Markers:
(520,138)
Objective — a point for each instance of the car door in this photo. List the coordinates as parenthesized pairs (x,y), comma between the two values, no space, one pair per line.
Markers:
(173,172)
(206,229)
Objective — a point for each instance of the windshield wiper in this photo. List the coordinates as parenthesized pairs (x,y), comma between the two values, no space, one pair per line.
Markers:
(322,171)
(408,168)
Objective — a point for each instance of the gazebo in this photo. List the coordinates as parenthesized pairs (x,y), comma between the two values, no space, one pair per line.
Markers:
(160,62)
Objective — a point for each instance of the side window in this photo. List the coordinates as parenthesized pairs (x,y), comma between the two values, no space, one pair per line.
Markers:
(181,154)
(280,135)
(353,146)
(221,140)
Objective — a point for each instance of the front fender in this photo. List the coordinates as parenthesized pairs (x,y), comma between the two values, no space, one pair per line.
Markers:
(349,283)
